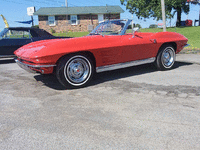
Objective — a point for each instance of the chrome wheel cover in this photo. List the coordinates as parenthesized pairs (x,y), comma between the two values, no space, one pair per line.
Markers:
(168,57)
(77,70)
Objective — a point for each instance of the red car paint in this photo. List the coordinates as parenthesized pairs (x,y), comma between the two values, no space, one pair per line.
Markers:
(106,49)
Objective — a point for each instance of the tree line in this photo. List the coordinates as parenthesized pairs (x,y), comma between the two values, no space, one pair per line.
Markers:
(152,8)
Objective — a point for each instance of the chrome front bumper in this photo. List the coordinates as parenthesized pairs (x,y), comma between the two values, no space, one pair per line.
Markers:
(187,45)
(32,68)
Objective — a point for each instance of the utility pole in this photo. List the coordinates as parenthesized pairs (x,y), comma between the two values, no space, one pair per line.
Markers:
(163,15)
(32,20)
(66,4)
(199,11)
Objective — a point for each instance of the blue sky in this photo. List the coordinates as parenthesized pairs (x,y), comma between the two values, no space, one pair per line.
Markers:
(16,10)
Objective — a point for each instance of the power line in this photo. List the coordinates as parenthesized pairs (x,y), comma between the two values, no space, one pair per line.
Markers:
(59,2)
(34,2)
(12,2)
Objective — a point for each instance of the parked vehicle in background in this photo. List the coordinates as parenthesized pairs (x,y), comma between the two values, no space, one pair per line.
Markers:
(107,47)
(14,37)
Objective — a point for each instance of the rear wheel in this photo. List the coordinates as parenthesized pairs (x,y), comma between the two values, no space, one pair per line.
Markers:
(165,58)
(74,71)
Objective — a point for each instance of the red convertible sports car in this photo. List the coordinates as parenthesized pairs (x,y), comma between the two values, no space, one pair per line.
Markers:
(109,46)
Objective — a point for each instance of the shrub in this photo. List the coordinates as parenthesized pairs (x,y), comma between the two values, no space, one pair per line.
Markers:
(35,26)
(153,26)
(53,31)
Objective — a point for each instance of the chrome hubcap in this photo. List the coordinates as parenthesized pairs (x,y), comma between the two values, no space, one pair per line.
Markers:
(77,70)
(168,57)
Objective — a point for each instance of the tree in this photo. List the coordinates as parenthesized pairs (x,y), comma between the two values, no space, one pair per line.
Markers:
(153,26)
(134,25)
(138,25)
(152,8)
(179,6)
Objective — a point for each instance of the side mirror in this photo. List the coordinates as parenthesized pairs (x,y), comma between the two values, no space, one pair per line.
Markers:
(136,29)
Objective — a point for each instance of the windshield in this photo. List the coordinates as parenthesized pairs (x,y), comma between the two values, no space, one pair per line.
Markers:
(3,32)
(111,27)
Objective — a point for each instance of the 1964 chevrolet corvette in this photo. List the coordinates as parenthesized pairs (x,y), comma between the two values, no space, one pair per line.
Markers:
(109,46)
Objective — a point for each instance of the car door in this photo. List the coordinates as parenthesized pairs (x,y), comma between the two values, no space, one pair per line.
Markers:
(137,47)
(109,50)
(12,40)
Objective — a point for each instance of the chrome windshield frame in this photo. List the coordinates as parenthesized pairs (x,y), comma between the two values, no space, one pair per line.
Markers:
(128,21)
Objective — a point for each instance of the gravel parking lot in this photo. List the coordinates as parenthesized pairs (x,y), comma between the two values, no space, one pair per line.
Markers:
(133,108)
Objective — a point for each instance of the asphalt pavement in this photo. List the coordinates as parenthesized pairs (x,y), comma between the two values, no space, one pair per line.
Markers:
(137,108)
(191,58)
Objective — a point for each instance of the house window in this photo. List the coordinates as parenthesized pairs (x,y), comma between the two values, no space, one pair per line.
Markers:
(51,20)
(74,19)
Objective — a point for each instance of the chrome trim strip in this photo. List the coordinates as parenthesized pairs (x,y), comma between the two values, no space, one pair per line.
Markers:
(187,45)
(34,66)
(124,65)
(7,56)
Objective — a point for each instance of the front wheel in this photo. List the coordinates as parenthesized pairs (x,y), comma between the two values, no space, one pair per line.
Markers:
(74,71)
(165,58)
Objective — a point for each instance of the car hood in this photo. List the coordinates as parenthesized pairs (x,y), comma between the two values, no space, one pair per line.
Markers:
(33,49)
(64,46)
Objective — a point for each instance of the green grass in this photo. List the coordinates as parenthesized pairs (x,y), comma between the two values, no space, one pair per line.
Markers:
(192,33)
(72,34)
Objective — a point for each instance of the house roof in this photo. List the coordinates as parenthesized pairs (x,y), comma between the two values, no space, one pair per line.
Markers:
(79,10)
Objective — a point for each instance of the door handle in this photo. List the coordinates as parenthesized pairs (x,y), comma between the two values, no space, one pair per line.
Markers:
(153,40)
